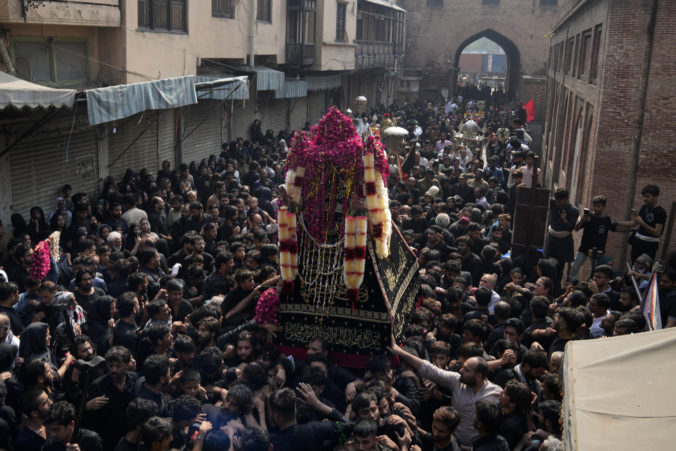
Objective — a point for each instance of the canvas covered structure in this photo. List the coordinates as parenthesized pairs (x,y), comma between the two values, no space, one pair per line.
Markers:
(619,392)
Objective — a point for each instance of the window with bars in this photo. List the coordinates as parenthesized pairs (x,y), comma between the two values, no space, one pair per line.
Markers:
(223,8)
(264,10)
(162,15)
(341,14)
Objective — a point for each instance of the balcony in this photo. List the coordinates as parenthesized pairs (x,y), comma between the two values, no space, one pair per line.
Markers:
(300,54)
(90,13)
(374,55)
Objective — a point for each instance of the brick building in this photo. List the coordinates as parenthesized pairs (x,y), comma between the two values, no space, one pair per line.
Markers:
(610,84)
(437,31)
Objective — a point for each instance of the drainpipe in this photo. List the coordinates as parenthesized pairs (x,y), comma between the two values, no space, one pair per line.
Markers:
(4,56)
(636,147)
(252,34)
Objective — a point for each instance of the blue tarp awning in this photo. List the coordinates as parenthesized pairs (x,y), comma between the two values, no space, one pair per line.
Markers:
(292,89)
(117,102)
(267,79)
(226,87)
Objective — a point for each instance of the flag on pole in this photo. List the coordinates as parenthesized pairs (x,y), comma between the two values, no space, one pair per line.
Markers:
(650,305)
(530,110)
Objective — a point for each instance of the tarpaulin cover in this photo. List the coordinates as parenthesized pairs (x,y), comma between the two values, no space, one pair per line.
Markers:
(619,392)
(21,93)
(117,102)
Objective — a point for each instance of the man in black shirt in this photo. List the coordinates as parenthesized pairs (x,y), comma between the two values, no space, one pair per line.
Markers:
(488,419)
(595,226)
(287,434)
(9,295)
(125,331)
(34,404)
(237,306)
(471,262)
(109,396)
(650,221)
(156,373)
(60,421)
(515,401)
(217,283)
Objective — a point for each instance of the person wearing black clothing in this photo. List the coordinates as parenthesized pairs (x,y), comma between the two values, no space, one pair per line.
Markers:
(9,295)
(34,404)
(463,190)
(125,330)
(109,396)
(18,268)
(650,220)
(218,283)
(240,302)
(156,374)
(488,419)
(150,266)
(85,291)
(60,421)
(515,401)
(471,262)
(288,435)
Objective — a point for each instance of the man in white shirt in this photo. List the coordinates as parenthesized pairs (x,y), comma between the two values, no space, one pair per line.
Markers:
(468,386)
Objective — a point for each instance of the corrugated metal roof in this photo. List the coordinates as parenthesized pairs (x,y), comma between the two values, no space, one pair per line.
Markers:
(292,88)
(268,79)
(322,83)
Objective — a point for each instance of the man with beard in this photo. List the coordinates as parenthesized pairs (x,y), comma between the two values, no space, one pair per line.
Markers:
(85,291)
(207,329)
(114,220)
(444,423)
(468,386)
(109,396)
(156,373)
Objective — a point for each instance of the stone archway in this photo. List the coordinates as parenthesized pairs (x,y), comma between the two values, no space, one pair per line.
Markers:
(513,73)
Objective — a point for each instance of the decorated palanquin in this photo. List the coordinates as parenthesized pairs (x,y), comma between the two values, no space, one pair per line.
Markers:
(348,276)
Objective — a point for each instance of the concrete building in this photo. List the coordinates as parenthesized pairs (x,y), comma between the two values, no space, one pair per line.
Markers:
(299,57)
(610,84)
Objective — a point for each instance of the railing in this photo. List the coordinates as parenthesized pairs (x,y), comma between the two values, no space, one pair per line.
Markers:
(377,55)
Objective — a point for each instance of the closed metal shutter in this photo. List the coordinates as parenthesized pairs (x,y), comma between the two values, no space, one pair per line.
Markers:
(298,113)
(166,137)
(40,167)
(133,144)
(316,107)
(243,115)
(202,130)
(274,115)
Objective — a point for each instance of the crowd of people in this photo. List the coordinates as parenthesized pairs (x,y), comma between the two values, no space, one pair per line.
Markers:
(140,335)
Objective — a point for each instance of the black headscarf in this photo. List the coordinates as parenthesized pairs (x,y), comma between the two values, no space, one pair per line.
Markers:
(97,322)
(32,344)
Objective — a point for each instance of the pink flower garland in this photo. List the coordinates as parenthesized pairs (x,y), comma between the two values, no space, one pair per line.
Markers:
(41,263)
(267,308)
(331,155)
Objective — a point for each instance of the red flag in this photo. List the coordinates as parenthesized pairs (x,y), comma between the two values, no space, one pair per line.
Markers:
(530,110)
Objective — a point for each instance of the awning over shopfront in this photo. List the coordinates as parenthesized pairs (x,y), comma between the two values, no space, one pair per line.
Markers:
(292,89)
(20,93)
(117,102)
(222,87)
(386,4)
(267,79)
(322,83)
